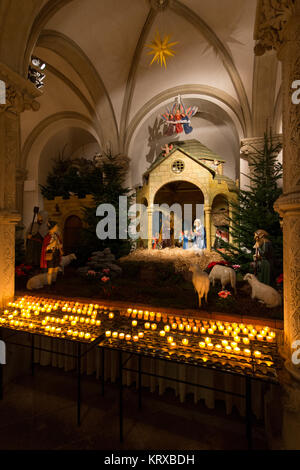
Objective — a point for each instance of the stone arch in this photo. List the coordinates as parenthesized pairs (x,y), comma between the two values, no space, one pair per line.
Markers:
(189,179)
(50,126)
(78,60)
(36,142)
(221,96)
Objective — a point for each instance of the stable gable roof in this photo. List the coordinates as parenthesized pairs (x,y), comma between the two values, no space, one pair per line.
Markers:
(192,149)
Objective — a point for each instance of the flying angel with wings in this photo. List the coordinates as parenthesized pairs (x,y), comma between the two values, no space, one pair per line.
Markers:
(178,119)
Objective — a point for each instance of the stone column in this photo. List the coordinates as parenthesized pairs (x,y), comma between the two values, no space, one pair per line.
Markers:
(19,97)
(207,211)
(251,144)
(278,27)
(21,175)
(150,225)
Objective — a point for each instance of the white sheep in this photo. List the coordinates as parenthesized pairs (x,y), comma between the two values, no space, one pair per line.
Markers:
(201,282)
(37,282)
(224,274)
(66,260)
(264,293)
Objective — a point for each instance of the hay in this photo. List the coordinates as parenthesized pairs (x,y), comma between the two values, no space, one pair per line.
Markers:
(181,259)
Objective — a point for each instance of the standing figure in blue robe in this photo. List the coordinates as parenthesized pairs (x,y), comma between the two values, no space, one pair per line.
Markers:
(184,239)
(199,235)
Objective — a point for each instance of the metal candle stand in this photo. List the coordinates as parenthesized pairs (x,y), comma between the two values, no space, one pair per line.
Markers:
(101,327)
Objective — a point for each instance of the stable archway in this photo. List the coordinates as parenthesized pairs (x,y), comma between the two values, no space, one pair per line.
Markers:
(186,201)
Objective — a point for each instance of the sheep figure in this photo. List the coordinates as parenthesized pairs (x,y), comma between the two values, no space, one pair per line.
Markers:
(37,282)
(66,260)
(264,293)
(224,274)
(201,282)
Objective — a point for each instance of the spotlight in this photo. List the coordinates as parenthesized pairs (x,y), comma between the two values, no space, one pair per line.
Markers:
(38,63)
(34,72)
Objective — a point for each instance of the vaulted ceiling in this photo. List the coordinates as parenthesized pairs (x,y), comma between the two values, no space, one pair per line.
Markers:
(99,79)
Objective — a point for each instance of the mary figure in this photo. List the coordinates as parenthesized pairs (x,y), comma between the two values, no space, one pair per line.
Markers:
(199,235)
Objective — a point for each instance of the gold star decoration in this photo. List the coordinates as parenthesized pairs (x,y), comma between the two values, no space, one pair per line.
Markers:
(161,49)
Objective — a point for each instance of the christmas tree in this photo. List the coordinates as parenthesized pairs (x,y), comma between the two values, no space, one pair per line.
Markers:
(254,208)
(110,187)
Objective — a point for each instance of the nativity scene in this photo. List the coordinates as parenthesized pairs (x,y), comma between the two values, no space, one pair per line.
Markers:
(149,225)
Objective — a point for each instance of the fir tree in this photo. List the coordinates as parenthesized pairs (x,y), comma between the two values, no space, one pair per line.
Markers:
(110,187)
(254,208)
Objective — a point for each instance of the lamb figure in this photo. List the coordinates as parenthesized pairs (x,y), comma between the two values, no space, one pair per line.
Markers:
(201,282)
(66,260)
(224,274)
(37,282)
(264,293)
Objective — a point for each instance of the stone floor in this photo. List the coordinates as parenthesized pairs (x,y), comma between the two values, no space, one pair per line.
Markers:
(40,413)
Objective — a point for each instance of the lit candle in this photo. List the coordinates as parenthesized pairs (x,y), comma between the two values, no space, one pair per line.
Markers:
(260,337)
(111,315)
(87,335)
(81,334)
(218,347)
(108,333)
(247,352)
(141,334)
(185,341)
(134,322)
(174,326)
(115,334)
(135,338)
(233,344)
(167,327)
(180,327)
(129,310)
(210,331)
(162,333)
(226,333)
(228,349)
(188,328)
(203,330)
(246,340)
(257,354)
(170,339)
(224,342)
(210,346)
(128,337)
(207,340)
(173,345)
(98,322)
(202,344)
(195,329)
(153,326)
(121,335)
(237,339)
(269,339)
(147,326)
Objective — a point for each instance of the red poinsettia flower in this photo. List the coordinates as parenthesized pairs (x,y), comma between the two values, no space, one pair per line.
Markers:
(224,294)
(104,279)
(106,270)
(279,280)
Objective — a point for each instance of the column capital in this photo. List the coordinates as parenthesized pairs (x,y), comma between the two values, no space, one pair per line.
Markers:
(288,203)
(272,19)
(250,145)
(20,93)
